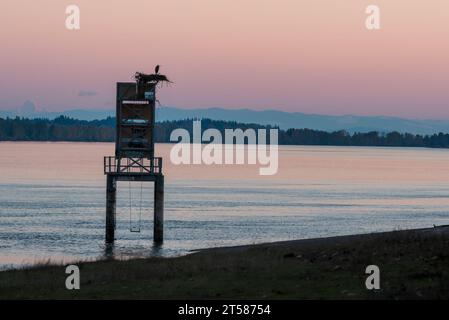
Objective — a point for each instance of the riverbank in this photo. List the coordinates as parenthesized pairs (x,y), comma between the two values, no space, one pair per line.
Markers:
(414,264)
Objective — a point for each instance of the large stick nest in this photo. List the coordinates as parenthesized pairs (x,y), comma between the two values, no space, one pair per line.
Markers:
(150,78)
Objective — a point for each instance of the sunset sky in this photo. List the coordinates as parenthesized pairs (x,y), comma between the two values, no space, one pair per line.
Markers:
(312,56)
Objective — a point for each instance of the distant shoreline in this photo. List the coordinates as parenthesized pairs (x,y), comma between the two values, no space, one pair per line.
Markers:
(73,130)
(281,145)
(413,265)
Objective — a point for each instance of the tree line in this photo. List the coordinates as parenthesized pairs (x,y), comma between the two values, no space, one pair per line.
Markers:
(68,129)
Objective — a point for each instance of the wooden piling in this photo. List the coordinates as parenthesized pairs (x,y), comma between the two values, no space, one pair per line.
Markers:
(111,189)
(158,234)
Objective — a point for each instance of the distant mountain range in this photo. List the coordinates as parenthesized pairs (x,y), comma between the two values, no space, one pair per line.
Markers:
(28,110)
(284,120)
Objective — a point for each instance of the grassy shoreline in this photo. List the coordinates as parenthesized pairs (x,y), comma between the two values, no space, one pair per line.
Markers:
(414,264)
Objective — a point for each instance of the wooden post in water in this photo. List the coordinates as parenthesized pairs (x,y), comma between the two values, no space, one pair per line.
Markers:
(158,234)
(111,189)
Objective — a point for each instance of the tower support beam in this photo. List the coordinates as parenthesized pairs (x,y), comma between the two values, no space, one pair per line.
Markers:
(158,233)
(111,191)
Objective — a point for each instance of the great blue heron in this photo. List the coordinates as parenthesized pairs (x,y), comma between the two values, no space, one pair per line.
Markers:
(156,70)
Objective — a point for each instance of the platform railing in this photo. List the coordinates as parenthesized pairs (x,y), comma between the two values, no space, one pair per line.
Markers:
(114,165)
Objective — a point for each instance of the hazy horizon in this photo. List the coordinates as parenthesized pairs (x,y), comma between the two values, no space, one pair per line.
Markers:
(269,109)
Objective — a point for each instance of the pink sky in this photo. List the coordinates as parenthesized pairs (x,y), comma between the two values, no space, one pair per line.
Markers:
(313,56)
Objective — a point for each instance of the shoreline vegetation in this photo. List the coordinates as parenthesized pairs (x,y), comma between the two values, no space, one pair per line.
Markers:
(413,265)
(72,130)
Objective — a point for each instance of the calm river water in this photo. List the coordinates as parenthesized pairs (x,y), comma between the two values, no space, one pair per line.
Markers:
(52,199)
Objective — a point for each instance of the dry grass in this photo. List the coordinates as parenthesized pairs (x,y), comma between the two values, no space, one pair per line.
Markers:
(413,264)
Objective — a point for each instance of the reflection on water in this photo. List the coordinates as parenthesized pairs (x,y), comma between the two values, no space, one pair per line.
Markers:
(52,199)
